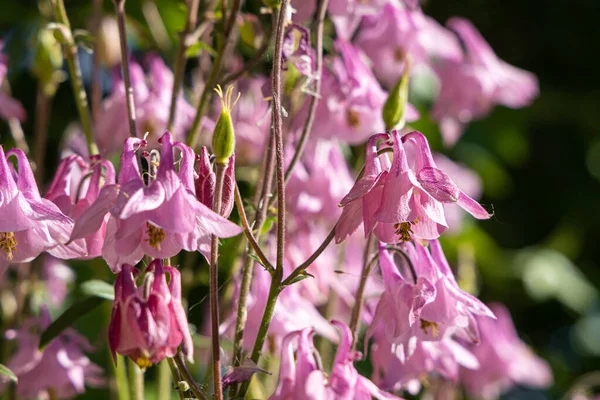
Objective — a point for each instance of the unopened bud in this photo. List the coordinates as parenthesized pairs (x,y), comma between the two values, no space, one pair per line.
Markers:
(223,142)
(394,109)
(206,181)
(183,386)
(227,196)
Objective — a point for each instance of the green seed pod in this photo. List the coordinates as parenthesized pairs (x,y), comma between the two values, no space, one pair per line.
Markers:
(394,108)
(223,142)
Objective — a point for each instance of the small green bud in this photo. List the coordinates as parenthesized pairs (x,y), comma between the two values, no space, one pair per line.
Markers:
(394,108)
(48,62)
(223,142)
(183,386)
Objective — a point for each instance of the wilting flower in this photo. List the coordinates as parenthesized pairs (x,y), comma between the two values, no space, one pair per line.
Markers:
(428,305)
(61,366)
(29,224)
(148,323)
(159,219)
(152,106)
(9,107)
(405,200)
(471,87)
(394,33)
(505,360)
(75,187)
(303,379)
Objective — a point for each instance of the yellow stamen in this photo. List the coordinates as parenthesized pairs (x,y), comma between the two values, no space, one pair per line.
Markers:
(352,118)
(155,235)
(143,362)
(8,244)
(435,330)
(226,98)
(404,229)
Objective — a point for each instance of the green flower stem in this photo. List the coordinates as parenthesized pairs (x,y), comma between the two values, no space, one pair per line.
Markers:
(136,381)
(121,378)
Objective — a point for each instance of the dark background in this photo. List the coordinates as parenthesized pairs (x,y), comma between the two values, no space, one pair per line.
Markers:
(540,254)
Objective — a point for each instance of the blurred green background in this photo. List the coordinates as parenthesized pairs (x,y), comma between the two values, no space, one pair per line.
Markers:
(540,254)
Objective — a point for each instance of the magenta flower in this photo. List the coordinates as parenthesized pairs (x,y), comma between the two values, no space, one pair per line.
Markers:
(159,219)
(428,306)
(152,103)
(61,367)
(74,189)
(394,33)
(57,276)
(9,107)
(404,200)
(302,379)
(505,360)
(471,87)
(148,323)
(29,224)
(206,180)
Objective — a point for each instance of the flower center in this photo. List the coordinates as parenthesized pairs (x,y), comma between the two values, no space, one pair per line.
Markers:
(352,118)
(155,236)
(143,362)
(435,330)
(404,229)
(8,244)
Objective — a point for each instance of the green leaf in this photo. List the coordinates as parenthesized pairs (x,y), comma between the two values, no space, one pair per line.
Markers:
(196,49)
(68,317)
(267,225)
(301,277)
(8,373)
(98,288)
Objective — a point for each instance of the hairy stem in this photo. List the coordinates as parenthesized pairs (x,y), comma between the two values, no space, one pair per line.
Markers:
(120,9)
(70,51)
(358,305)
(187,376)
(179,68)
(312,108)
(214,288)
(176,377)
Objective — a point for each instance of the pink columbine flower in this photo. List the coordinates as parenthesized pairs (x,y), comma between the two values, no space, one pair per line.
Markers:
(505,360)
(159,219)
(206,180)
(395,33)
(29,224)
(148,323)
(443,358)
(302,378)
(152,105)
(61,366)
(471,87)
(424,303)
(9,107)
(406,199)
(75,187)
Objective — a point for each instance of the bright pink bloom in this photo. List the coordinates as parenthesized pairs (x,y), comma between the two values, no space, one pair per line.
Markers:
(29,224)
(391,35)
(9,107)
(406,199)
(428,305)
(75,188)
(152,105)
(159,219)
(148,323)
(505,360)
(303,380)
(61,366)
(472,87)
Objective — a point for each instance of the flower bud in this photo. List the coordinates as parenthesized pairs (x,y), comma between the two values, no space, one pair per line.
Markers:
(223,142)
(394,109)
(206,182)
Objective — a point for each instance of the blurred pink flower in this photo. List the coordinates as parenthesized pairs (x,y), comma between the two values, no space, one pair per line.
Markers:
(57,276)
(302,378)
(61,366)
(29,224)
(149,323)
(9,107)
(394,33)
(505,360)
(471,87)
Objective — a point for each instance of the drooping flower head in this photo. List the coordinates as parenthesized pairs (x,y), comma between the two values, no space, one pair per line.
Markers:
(505,359)
(29,224)
(61,366)
(148,323)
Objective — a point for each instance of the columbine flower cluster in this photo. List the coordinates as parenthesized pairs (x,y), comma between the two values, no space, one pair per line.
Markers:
(169,197)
